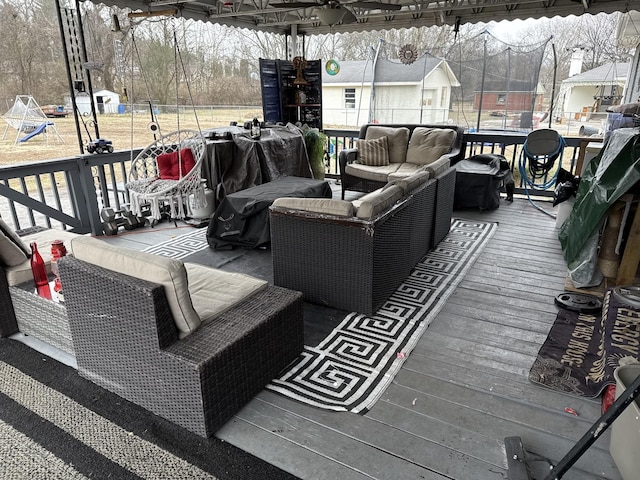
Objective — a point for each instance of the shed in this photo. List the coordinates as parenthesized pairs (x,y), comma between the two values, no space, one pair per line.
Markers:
(106,101)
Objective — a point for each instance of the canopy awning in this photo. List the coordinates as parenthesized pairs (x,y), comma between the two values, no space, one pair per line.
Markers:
(304,16)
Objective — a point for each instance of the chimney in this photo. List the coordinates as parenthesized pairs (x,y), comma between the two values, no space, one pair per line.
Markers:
(576,61)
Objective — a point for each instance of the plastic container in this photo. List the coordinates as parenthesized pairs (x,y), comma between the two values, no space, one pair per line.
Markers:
(564,210)
(625,432)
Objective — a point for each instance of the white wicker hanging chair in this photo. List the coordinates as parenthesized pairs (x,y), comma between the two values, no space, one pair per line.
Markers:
(147,188)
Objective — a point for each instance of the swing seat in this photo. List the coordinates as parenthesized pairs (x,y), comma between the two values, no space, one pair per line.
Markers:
(166,173)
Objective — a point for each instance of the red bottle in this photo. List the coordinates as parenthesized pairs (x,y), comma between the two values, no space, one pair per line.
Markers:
(39,272)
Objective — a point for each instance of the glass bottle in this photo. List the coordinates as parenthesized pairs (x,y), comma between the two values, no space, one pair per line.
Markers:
(39,272)
(255,129)
(58,250)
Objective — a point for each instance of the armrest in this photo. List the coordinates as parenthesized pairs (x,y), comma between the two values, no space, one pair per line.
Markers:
(440,165)
(348,155)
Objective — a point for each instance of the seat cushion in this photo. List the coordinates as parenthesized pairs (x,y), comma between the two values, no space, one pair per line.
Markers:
(428,144)
(327,206)
(13,250)
(377,174)
(21,273)
(214,291)
(374,153)
(406,170)
(397,138)
(168,272)
(175,165)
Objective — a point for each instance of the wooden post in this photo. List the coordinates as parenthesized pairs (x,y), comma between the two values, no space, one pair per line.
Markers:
(631,257)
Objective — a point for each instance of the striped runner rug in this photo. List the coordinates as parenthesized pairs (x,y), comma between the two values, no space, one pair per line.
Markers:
(56,425)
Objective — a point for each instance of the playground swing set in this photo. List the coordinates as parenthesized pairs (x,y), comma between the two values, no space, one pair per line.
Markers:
(29,120)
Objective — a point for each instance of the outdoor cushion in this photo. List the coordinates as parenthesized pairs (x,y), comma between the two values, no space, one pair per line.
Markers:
(377,174)
(328,206)
(410,183)
(374,153)
(13,251)
(169,166)
(375,202)
(428,144)
(166,271)
(21,273)
(406,169)
(397,138)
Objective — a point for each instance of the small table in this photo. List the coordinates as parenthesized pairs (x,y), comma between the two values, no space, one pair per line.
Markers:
(43,318)
(242,218)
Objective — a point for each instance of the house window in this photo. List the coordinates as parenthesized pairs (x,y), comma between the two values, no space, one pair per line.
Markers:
(501,99)
(349,98)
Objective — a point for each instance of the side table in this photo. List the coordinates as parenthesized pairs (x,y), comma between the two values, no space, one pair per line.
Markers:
(42,318)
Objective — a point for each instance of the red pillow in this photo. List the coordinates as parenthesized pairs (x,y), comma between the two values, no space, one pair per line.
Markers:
(168,167)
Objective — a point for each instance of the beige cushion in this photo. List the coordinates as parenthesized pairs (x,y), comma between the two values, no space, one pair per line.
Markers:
(13,251)
(410,183)
(318,205)
(377,174)
(21,273)
(374,153)
(439,166)
(377,201)
(166,271)
(406,170)
(397,139)
(214,291)
(428,144)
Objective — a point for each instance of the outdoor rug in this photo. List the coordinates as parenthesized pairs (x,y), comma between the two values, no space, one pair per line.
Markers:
(582,350)
(55,425)
(350,369)
(348,366)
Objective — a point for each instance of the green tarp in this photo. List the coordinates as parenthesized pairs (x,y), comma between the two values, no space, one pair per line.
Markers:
(607,177)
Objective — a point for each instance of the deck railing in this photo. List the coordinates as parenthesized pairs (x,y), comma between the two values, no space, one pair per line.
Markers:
(69,193)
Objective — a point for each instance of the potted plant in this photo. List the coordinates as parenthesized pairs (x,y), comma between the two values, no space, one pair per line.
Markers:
(315,142)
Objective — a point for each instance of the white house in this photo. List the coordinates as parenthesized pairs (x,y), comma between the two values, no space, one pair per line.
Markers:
(416,93)
(593,90)
(106,101)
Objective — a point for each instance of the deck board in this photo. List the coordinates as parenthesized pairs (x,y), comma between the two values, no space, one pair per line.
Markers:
(463,389)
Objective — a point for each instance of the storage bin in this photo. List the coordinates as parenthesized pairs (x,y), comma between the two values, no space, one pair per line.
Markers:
(625,432)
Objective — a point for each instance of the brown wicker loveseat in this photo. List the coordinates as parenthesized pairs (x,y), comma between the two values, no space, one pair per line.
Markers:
(137,338)
(353,257)
(410,148)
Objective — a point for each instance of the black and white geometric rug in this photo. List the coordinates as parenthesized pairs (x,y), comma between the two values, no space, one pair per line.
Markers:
(355,363)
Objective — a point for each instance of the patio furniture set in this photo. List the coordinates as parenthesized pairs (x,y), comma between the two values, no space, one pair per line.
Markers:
(192,343)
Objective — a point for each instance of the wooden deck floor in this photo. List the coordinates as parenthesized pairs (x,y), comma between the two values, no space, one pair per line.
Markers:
(462,390)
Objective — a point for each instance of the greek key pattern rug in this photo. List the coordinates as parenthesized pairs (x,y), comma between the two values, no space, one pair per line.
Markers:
(353,366)
(181,246)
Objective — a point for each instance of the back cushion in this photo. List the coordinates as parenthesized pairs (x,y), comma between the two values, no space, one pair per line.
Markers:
(377,201)
(166,271)
(374,153)
(328,206)
(169,166)
(397,138)
(13,251)
(428,144)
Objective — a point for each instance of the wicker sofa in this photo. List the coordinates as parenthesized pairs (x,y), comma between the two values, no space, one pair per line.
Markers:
(190,343)
(353,255)
(410,148)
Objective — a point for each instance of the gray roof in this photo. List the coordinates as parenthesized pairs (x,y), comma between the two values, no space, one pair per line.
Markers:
(607,73)
(387,71)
